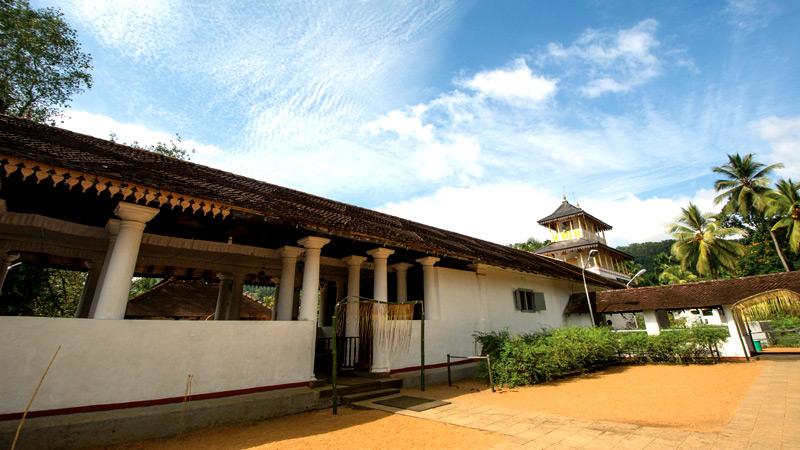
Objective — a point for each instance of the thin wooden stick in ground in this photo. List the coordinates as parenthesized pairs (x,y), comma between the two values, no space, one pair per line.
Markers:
(33,397)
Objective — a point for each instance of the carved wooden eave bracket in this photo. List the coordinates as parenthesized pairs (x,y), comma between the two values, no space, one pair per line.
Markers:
(126,190)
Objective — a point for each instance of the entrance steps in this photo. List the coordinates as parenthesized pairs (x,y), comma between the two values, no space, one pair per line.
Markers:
(356,389)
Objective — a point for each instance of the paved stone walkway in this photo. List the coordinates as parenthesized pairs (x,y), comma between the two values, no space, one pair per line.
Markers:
(768,418)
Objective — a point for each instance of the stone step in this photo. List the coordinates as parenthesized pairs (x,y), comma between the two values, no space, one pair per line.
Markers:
(368,385)
(353,398)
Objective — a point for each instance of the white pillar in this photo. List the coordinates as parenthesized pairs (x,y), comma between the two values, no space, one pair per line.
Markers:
(651,322)
(117,281)
(5,264)
(351,322)
(430,294)
(223,296)
(309,293)
(286,287)
(235,300)
(89,289)
(401,270)
(112,228)
(380,256)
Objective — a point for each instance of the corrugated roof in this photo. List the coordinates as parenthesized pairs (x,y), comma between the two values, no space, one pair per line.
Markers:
(279,205)
(695,295)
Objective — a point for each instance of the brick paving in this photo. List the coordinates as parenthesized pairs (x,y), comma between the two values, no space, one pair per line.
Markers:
(767,418)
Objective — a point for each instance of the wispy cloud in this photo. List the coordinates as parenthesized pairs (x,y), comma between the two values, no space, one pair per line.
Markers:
(750,15)
(617,61)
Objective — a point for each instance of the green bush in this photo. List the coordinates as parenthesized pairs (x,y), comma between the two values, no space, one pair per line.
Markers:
(785,331)
(540,357)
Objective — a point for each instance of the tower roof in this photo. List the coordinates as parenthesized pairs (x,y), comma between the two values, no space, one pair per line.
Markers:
(567,210)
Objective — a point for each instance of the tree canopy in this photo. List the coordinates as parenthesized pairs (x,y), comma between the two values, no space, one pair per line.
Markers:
(700,242)
(41,62)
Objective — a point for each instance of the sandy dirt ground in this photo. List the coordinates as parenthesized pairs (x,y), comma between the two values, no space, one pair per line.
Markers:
(701,398)
(353,429)
(781,350)
(696,397)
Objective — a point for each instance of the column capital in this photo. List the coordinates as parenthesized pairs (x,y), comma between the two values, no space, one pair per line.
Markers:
(380,253)
(225,276)
(401,267)
(428,261)
(275,280)
(313,242)
(112,227)
(288,251)
(135,213)
(354,260)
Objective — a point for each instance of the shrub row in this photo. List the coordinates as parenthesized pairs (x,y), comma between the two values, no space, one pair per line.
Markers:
(539,357)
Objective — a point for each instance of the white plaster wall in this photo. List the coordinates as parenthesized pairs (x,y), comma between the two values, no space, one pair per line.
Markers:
(460,303)
(111,361)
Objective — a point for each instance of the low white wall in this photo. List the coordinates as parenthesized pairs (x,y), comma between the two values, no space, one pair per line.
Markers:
(113,361)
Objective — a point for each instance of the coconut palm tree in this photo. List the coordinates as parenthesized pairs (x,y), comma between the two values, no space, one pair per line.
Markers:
(784,202)
(700,242)
(745,188)
(745,184)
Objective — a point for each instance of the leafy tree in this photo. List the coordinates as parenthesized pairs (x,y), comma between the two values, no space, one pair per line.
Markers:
(41,62)
(784,202)
(531,245)
(701,244)
(675,274)
(171,149)
(140,285)
(36,291)
(744,190)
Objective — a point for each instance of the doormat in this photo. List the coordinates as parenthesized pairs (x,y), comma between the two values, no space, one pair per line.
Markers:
(411,403)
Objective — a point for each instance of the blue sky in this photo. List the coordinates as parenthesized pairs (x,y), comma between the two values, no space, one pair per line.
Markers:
(472,116)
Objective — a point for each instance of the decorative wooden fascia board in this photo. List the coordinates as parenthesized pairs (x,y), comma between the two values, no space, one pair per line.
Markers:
(139,193)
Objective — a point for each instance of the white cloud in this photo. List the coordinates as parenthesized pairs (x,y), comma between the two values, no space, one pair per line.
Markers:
(102,126)
(750,15)
(508,212)
(783,135)
(516,84)
(616,61)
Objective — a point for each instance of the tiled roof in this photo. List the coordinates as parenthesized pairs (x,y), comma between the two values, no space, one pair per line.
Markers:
(565,210)
(279,205)
(188,300)
(695,295)
(580,243)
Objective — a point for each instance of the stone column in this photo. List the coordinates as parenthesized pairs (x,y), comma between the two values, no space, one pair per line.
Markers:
(430,294)
(309,293)
(112,228)
(651,322)
(235,301)
(117,281)
(380,355)
(223,296)
(351,322)
(401,270)
(286,287)
(5,264)
(89,288)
